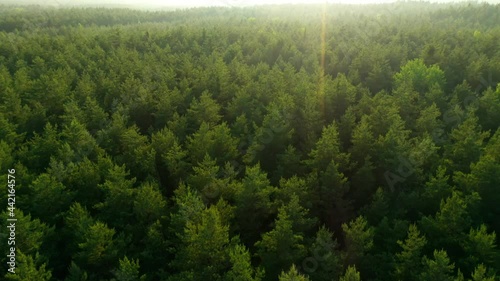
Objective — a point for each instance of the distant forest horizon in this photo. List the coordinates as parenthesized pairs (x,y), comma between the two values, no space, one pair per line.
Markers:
(156,4)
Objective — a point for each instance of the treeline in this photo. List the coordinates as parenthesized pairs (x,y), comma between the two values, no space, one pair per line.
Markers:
(282,143)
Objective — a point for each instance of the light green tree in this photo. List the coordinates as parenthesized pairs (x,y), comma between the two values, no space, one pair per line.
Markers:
(29,269)
(438,268)
(292,275)
(351,274)
(408,260)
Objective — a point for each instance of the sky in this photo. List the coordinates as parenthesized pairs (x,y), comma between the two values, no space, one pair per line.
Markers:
(200,3)
(249,2)
(262,2)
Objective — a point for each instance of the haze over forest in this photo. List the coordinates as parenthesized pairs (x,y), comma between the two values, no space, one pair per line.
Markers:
(201,3)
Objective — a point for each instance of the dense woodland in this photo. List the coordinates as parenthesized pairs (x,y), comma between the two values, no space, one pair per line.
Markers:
(265,143)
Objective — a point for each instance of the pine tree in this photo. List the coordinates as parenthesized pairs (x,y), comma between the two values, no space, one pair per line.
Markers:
(99,248)
(128,271)
(216,141)
(281,247)
(484,178)
(119,197)
(324,261)
(437,188)
(32,235)
(419,77)
(438,268)
(327,149)
(203,250)
(481,275)
(188,206)
(351,274)
(254,207)
(292,275)
(358,240)
(480,248)
(241,267)
(149,204)
(170,158)
(75,273)
(29,269)
(49,198)
(205,109)
(467,141)
(408,260)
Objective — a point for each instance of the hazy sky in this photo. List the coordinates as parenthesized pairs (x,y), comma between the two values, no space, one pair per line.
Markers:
(201,2)
(260,2)
(192,2)
(248,2)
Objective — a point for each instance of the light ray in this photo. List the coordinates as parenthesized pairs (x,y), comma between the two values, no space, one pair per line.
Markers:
(321,86)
